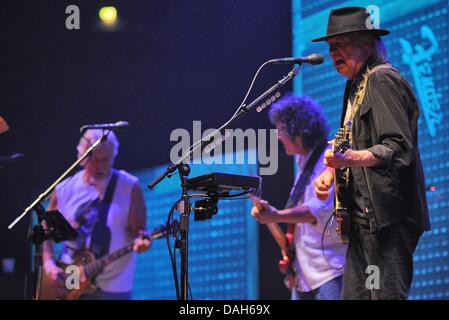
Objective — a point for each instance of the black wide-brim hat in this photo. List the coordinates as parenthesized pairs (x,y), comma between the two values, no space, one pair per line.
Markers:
(350,19)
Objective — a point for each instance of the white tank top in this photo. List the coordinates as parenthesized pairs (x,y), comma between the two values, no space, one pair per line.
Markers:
(75,198)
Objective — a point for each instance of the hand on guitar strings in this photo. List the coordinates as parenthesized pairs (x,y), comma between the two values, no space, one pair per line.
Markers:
(55,274)
(58,276)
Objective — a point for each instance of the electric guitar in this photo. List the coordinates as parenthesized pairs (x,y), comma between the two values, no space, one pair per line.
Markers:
(285,243)
(92,267)
(341,182)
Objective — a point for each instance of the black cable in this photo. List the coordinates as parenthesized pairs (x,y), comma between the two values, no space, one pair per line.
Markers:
(184,270)
(222,196)
(322,244)
(233,195)
(240,109)
(172,255)
(236,197)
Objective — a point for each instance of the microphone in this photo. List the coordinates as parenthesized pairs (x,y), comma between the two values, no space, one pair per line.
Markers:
(9,159)
(312,59)
(106,126)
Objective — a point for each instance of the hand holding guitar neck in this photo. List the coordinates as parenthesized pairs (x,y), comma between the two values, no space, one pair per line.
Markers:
(142,243)
(276,231)
(284,241)
(257,203)
(264,213)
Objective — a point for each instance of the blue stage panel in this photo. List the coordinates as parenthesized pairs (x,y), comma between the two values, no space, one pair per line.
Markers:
(223,251)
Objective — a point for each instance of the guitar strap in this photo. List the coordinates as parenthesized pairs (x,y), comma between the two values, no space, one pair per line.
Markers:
(297,194)
(360,94)
(101,235)
(358,100)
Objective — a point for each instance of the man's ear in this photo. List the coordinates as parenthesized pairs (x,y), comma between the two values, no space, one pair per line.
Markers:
(298,142)
(367,45)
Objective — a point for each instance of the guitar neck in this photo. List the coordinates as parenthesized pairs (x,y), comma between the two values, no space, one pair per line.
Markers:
(97,266)
(278,235)
(274,228)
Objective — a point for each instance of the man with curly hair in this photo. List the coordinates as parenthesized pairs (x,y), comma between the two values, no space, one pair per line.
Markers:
(319,253)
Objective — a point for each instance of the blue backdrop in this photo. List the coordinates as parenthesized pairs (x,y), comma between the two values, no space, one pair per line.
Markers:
(223,251)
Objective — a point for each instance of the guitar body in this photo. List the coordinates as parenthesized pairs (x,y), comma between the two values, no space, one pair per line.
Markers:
(90,267)
(49,292)
(86,286)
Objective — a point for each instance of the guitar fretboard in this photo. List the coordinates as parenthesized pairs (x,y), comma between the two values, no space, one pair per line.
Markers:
(93,268)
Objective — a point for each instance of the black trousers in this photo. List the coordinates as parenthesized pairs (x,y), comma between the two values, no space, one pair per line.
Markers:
(379,266)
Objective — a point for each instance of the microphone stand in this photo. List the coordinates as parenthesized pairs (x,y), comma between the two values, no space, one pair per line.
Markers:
(184,171)
(38,234)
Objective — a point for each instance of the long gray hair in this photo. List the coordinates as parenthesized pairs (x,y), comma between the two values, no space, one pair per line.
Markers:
(92,135)
(380,53)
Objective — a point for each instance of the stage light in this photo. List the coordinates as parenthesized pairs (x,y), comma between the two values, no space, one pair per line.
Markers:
(108,15)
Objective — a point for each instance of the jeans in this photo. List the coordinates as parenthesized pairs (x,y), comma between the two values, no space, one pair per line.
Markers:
(331,290)
(379,266)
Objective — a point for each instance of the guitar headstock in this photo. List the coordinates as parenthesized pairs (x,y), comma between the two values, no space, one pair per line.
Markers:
(342,138)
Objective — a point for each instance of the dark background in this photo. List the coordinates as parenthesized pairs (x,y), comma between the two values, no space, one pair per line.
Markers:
(171,62)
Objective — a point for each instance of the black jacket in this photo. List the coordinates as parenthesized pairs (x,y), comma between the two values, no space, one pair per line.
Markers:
(386,124)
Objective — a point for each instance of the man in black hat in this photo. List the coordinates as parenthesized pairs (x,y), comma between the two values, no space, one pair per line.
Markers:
(387,201)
